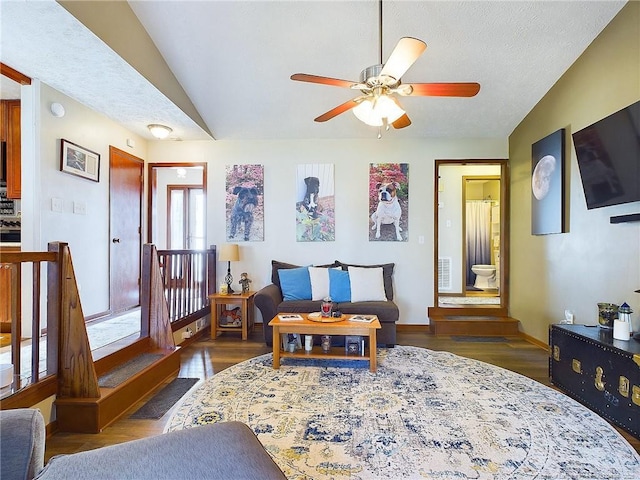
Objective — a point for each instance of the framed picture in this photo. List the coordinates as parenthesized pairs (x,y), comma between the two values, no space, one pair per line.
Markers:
(315,203)
(389,202)
(547,184)
(79,161)
(245,203)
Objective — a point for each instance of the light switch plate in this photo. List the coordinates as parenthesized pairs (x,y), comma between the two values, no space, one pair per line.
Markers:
(57,205)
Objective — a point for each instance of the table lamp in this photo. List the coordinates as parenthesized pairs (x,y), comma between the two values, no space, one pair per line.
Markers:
(229,252)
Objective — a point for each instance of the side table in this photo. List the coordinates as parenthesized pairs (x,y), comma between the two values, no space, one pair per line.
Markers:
(219,300)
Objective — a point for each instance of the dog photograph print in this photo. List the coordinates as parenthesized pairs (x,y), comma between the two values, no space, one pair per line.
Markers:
(388,202)
(244,205)
(315,203)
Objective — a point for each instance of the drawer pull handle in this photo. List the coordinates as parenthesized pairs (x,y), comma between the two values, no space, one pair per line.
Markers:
(556,353)
(635,395)
(623,386)
(576,366)
(598,380)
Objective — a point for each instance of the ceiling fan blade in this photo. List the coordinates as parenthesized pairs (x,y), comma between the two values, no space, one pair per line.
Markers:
(402,122)
(403,56)
(445,89)
(336,82)
(346,106)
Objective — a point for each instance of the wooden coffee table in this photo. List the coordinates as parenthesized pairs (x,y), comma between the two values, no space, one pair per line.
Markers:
(308,327)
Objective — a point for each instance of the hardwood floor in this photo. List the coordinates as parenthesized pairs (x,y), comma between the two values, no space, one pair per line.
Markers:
(205,357)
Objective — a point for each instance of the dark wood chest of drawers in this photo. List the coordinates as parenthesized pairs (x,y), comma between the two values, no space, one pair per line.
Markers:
(598,371)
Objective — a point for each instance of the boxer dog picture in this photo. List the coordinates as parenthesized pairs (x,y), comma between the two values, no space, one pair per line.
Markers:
(244,206)
(388,202)
(315,203)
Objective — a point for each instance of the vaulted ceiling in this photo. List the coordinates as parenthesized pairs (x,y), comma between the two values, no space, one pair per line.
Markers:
(234,60)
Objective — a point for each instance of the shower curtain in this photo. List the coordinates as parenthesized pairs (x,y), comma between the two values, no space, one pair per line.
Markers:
(478,225)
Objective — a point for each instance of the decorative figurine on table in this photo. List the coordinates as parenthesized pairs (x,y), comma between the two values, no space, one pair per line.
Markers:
(326,308)
(244,281)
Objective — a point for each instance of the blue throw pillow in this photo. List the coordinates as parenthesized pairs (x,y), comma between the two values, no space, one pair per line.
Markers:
(295,283)
(339,286)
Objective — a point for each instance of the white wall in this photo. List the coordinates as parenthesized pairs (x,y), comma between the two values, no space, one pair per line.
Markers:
(87,235)
(413,275)
(595,261)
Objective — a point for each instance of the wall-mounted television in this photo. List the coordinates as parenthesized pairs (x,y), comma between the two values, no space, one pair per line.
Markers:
(608,154)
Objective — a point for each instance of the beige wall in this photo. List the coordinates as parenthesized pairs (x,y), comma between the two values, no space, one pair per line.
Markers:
(413,277)
(87,234)
(594,261)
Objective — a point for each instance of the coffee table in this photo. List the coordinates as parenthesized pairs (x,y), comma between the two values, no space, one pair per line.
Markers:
(309,327)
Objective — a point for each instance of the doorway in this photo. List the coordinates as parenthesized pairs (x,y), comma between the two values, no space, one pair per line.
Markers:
(465,188)
(125,204)
(185,217)
(177,205)
(481,236)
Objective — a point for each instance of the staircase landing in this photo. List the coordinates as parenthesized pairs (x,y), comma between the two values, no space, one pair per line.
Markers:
(488,326)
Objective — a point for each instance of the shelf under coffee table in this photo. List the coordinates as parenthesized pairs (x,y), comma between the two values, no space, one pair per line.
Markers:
(308,327)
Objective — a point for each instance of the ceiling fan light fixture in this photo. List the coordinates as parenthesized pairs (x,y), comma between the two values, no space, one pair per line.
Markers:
(159,131)
(373,111)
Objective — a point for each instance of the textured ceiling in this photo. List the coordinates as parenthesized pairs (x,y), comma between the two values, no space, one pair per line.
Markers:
(234,60)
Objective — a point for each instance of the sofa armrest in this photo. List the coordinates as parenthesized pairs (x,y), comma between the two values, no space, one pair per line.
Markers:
(22,437)
(222,450)
(267,300)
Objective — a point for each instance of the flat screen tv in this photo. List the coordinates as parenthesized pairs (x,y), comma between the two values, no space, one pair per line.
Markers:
(608,154)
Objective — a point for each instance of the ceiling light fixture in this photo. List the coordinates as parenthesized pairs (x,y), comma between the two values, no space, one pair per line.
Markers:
(381,109)
(159,131)
(373,111)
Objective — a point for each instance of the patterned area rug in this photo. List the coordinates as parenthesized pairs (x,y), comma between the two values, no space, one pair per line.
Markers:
(424,414)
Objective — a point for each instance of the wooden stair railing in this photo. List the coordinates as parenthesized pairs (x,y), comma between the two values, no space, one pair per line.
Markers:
(82,405)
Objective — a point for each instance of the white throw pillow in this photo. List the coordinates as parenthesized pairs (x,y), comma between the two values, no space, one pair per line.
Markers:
(367,284)
(319,282)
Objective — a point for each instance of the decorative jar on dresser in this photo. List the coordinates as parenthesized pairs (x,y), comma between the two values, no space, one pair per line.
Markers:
(600,372)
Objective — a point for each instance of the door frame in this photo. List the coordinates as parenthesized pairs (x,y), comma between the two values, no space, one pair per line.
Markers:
(505,182)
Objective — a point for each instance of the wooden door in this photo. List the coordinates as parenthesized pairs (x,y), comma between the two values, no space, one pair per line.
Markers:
(14,155)
(125,190)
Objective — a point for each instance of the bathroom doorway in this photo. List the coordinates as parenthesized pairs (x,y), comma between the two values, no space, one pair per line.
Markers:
(481,236)
(467,191)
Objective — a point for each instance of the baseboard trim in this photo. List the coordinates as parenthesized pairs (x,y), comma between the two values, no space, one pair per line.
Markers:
(50,429)
(412,328)
(534,341)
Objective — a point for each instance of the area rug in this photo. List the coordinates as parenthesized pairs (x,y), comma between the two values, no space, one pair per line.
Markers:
(166,398)
(424,414)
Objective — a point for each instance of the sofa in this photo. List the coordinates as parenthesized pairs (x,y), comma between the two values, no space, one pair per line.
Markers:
(369,291)
(222,450)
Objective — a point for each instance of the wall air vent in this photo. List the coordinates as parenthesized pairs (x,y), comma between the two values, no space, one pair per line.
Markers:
(444,273)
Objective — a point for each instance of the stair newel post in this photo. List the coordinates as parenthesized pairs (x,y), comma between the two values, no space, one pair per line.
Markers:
(76,373)
(156,311)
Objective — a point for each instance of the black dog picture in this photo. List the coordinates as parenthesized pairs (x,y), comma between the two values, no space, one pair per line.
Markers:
(244,203)
(315,203)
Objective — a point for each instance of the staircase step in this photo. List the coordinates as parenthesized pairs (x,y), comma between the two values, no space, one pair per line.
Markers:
(474,325)
(92,415)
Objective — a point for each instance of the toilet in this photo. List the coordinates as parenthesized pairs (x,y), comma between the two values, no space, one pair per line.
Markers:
(485,276)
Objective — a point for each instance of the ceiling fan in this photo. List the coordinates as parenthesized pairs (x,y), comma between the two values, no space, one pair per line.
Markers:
(377,104)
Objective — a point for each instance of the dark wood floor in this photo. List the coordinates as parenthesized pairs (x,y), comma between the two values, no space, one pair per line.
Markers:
(205,357)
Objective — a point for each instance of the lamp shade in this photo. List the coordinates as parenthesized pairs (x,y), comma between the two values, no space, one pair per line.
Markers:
(229,252)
